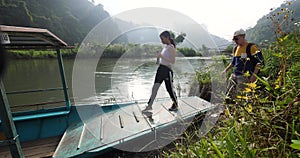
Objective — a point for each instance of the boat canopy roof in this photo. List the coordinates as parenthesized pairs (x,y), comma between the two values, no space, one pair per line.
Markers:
(14,37)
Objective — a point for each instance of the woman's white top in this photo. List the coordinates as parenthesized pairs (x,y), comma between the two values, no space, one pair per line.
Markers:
(165,52)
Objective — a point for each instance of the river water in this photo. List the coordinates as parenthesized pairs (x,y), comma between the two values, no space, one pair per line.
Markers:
(115,80)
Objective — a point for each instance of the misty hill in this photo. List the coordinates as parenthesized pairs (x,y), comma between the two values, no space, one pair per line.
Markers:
(147,34)
(70,20)
(264,29)
(151,35)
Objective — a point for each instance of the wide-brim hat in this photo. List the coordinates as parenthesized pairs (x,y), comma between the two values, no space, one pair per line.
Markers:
(239,33)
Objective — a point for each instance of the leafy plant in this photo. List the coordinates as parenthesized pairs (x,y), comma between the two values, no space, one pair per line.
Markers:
(266,117)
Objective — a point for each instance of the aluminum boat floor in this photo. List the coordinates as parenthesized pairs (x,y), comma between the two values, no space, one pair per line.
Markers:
(126,123)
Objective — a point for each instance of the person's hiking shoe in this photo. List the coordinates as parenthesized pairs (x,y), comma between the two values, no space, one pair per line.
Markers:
(174,107)
(148,108)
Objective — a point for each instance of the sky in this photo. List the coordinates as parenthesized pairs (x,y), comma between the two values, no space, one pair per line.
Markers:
(220,17)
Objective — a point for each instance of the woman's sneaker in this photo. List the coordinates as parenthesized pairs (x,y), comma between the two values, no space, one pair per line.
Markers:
(148,108)
(174,107)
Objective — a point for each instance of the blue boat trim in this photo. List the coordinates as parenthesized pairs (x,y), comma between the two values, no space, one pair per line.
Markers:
(39,116)
(23,116)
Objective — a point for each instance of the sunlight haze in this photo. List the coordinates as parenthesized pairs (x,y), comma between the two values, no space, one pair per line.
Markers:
(220,18)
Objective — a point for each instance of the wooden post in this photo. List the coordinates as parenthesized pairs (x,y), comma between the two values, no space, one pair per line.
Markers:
(63,78)
(9,126)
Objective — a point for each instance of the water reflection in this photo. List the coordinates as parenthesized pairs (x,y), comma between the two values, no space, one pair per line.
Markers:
(115,81)
(133,79)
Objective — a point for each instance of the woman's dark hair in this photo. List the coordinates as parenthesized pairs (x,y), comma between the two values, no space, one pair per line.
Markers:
(168,35)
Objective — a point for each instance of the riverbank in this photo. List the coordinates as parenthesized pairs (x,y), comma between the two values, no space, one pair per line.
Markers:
(111,51)
(40,54)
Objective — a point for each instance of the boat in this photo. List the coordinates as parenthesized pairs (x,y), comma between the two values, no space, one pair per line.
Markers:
(61,131)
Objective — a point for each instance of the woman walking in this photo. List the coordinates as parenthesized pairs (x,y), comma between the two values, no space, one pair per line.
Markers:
(164,71)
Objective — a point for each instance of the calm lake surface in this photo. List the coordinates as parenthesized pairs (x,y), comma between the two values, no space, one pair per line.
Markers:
(115,80)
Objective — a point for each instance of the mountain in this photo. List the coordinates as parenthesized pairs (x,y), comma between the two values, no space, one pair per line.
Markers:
(70,20)
(150,34)
(221,43)
(265,30)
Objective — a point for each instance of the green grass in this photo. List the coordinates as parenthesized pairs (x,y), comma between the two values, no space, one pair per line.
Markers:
(39,54)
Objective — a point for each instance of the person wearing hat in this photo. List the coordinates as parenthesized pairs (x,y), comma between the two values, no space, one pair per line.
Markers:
(247,60)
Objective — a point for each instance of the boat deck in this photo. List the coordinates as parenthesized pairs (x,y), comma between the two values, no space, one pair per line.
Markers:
(128,128)
(123,127)
(37,148)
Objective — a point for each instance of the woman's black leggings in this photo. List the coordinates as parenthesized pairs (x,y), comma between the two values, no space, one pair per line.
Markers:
(163,73)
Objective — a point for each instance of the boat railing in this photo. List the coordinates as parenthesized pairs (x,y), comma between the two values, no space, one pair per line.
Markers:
(34,90)
(58,106)
(26,38)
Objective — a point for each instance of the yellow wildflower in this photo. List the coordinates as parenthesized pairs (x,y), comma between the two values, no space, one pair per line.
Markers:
(241,97)
(252,85)
(247,90)
(249,108)
(247,74)
(279,78)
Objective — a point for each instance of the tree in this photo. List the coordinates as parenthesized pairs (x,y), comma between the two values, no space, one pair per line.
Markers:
(178,39)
